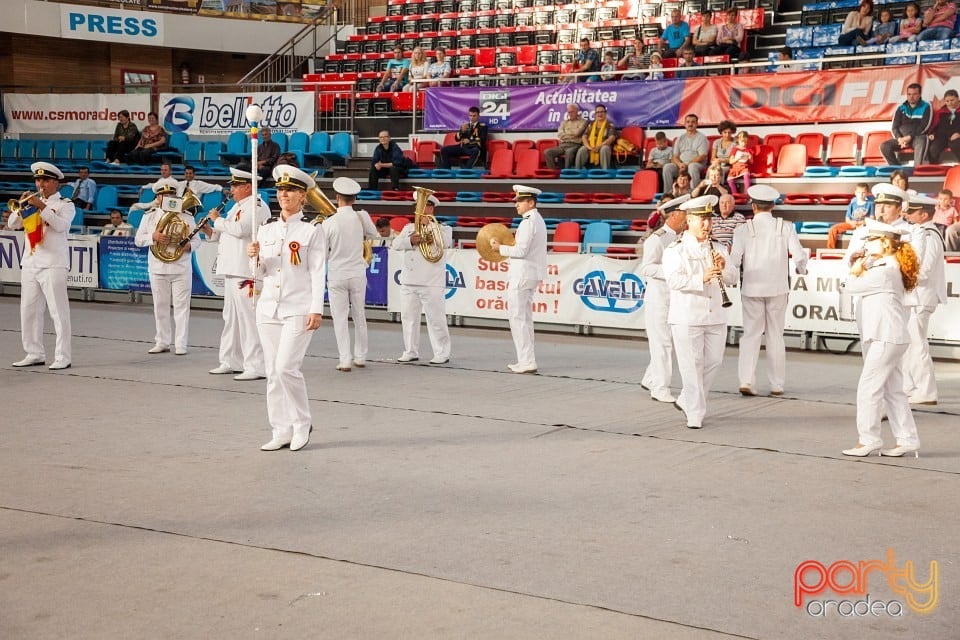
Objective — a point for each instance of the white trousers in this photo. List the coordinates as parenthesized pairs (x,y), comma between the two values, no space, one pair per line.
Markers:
(881,386)
(763,316)
(239,343)
(42,289)
(919,378)
(347,298)
(413,299)
(167,289)
(520,314)
(285,344)
(699,355)
(656,305)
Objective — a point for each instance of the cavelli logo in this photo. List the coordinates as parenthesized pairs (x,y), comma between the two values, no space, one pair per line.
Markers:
(614,296)
(454,281)
(179,113)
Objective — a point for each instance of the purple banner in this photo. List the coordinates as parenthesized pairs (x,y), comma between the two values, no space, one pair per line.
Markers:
(543,107)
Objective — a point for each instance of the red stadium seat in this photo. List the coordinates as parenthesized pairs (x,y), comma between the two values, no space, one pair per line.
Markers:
(501,164)
(566,237)
(777,140)
(543,145)
(522,145)
(792,161)
(643,188)
(929,170)
(763,162)
(871,148)
(528,166)
(814,144)
(495,145)
(842,149)
(427,151)
(397,223)
(952,180)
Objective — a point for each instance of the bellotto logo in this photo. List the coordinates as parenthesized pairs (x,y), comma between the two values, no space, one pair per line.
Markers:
(179,113)
(844,577)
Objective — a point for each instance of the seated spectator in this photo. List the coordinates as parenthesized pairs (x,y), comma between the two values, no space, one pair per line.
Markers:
(598,140)
(689,68)
(741,160)
(268,152)
(730,37)
(681,187)
(659,155)
(723,146)
(884,30)
(859,209)
(712,185)
(116,226)
(570,134)
(725,221)
(632,62)
(471,142)
(153,138)
(166,174)
(910,26)
(84,190)
(588,61)
(676,35)
(690,153)
(900,180)
(911,121)
(783,56)
(197,187)
(938,21)
(704,38)
(439,70)
(387,160)
(608,71)
(125,138)
(655,69)
(945,213)
(857,25)
(945,131)
(385,233)
(419,70)
(395,75)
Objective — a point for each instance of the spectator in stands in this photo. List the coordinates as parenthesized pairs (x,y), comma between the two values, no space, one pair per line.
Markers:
(676,36)
(730,37)
(689,68)
(741,160)
(570,134)
(588,61)
(84,190)
(125,138)
(945,130)
(938,21)
(726,220)
(910,122)
(722,146)
(153,138)
(681,187)
(395,75)
(704,39)
(784,56)
(632,62)
(952,237)
(116,226)
(386,233)
(655,68)
(419,70)
(608,71)
(712,185)
(166,174)
(857,25)
(439,70)
(387,160)
(900,180)
(910,25)
(690,152)
(197,187)
(268,152)
(885,29)
(945,213)
(859,209)
(598,140)
(471,142)
(659,155)
(287,158)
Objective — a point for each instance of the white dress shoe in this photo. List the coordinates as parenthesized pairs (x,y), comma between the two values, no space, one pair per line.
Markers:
(359,364)
(663,396)
(277,442)
(747,390)
(29,362)
(523,368)
(300,438)
(406,358)
(862,450)
(159,348)
(776,392)
(60,364)
(222,370)
(248,375)
(343,367)
(694,425)
(440,361)
(916,400)
(181,351)
(900,450)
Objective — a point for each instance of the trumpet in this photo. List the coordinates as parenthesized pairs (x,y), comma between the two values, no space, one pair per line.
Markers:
(19,206)
(724,298)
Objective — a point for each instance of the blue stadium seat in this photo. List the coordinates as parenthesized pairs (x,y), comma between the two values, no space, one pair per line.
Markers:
(61,152)
(857,172)
(298,141)
(821,172)
(106,199)
(368,194)
(211,152)
(597,233)
(80,151)
(319,144)
(135,217)
(237,148)
(281,139)
(193,153)
(550,197)
(98,150)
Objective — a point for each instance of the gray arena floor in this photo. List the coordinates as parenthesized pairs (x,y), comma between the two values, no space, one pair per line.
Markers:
(459,501)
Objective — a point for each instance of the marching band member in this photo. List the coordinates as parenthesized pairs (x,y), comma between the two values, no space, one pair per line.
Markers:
(528,266)
(347,279)
(695,269)
(919,379)
(422,287)
(656,300)
(240,349)
(45,218)
(888,208)
(291,259)
(763,247)
(170,282)
(879,278)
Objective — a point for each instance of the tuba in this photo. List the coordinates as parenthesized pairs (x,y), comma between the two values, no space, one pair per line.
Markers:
(320,203)
(176,230)
(427,227)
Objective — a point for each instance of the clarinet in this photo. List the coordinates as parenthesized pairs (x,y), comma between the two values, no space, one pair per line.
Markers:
(205,220)
(724,298)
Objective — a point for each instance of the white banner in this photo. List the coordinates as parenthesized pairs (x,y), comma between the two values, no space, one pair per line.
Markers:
(111,25)
(83,269)
(71,113)
(219,114)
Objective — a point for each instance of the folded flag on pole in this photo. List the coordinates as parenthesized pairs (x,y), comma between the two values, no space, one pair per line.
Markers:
(32,226)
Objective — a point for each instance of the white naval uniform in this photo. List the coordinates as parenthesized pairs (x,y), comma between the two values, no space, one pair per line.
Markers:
(347,278)
(882,320)
(422,288)
(763,247)
(170,282)
(528,266)
(197,187)
(290,292)
(239,343)
(43,280)
(697,319)
(656,303)
(859,239)
(919,379)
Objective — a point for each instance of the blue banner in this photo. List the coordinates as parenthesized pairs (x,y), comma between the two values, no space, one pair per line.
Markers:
(123,265)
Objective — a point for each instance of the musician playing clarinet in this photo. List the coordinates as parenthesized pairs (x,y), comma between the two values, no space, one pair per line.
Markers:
(696,271)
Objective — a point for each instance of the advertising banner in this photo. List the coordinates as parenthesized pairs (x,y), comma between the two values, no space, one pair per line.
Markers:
(71,113)
(219,114)
(111,25)
(123,267)
(82,266)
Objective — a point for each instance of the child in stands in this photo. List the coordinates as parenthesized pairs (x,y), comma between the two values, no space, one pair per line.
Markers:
(885,29)
(910,26)
(741,157)
(859,209)
(609,68)
(945,213)
(655,69)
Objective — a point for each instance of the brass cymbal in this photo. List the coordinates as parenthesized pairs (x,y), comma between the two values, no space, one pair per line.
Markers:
(495,230)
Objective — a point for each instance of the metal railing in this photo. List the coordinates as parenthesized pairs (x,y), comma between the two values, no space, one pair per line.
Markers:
(285,63)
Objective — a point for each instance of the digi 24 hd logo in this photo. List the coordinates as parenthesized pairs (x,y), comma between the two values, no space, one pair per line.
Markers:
(624,295)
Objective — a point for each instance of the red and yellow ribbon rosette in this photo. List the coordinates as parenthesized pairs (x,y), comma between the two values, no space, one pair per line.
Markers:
(294,252)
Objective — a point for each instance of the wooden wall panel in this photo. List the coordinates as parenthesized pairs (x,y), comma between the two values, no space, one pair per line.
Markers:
(59,65)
